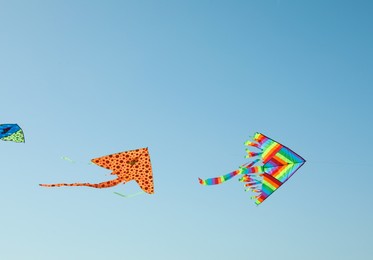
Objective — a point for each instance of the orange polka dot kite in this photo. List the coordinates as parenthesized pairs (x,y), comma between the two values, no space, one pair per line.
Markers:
(127,166)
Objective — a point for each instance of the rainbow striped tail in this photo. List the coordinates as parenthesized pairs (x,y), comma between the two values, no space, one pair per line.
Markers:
(244,169)
(220,179)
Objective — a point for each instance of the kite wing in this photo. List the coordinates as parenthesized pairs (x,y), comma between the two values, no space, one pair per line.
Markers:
(11,132)
(127,166)
(273,165)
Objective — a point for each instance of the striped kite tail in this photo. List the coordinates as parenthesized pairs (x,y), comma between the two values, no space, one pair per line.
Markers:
(220,179)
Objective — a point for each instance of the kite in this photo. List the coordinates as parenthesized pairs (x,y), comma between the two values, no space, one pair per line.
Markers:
(11,132)
(127,166)
(273,164)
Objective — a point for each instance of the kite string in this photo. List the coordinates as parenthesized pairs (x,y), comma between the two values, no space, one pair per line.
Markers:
(72,161)
(131,195)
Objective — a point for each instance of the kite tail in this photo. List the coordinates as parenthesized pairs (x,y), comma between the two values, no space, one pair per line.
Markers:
(101,185)
(220,179)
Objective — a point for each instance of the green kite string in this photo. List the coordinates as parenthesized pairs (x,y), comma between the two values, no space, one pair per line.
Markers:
(70,160)
(129,196)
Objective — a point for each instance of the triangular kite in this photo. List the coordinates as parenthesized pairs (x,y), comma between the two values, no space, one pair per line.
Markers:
(11,132)
(272,166)
(129,165)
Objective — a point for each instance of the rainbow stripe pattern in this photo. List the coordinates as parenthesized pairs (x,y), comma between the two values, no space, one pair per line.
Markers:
(273,164)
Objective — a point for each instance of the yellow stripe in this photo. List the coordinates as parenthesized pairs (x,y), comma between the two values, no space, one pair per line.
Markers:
(269,185)
(280,159)
(283,172)
(269,150)
(284,158)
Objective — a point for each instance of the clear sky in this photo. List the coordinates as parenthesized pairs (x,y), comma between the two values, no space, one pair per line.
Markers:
(191,80)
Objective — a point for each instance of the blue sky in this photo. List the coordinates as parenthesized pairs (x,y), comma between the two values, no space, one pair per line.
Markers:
(191,80)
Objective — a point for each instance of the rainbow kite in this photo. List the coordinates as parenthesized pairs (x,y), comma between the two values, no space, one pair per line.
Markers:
(272,166)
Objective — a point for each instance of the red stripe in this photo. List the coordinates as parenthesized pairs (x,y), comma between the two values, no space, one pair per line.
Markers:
(262,197)
(278,160)
(276,183)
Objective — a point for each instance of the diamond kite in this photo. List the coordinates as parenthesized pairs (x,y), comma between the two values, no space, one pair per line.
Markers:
(273,164)
(127,166)
(11,132)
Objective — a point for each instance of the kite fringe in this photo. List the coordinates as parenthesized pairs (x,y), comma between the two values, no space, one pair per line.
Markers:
(251,142)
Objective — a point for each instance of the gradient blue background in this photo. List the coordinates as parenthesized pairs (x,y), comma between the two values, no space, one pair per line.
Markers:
(191,80)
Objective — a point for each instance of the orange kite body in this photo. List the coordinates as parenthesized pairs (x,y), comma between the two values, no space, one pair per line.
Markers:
(129,165)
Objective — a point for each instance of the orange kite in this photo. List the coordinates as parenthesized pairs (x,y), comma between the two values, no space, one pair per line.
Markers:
(127,166)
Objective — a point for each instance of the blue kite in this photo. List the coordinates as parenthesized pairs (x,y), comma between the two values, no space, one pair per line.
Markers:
(11,132)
